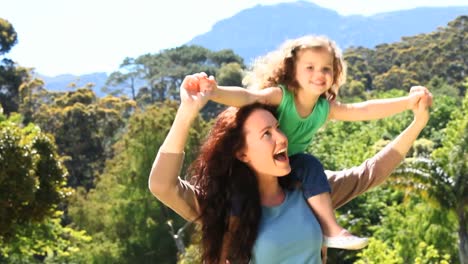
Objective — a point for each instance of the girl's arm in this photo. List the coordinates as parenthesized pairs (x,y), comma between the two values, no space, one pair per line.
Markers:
(238,96)
(164,182)
(375,109)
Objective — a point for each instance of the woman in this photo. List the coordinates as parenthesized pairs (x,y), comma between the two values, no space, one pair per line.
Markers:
(238,193)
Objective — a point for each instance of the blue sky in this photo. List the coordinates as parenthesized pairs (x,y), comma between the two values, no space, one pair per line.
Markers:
(84,36)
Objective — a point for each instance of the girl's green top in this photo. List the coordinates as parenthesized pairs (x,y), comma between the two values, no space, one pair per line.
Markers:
(300,131)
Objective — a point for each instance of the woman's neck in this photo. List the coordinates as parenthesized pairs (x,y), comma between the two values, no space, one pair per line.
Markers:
(305,102)
(271,193)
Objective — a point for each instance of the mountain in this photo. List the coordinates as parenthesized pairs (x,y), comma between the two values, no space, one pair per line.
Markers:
(63,81)
(255,31)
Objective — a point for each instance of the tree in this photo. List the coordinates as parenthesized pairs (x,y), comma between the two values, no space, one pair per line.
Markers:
(32,95)
(444,176)
(32,176)
(127,76)
(408,223)
(11,77)
(395,78)
(163,72)
(46,241)
(8,36)
(359,77)
(85,128)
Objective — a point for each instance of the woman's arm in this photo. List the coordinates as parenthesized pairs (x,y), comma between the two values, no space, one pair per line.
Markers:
(164,182)
(375,109)
(347,184)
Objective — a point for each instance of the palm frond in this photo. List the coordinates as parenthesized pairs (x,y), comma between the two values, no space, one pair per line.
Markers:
(423,176)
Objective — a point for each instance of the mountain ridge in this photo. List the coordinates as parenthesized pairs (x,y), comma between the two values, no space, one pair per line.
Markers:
(308,18)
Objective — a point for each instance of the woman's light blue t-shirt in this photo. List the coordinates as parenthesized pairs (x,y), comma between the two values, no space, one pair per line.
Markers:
(288,233)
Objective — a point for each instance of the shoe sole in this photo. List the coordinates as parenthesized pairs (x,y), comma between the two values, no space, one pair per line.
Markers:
(350,247)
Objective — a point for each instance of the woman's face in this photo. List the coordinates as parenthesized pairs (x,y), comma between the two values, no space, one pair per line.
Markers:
(265,149)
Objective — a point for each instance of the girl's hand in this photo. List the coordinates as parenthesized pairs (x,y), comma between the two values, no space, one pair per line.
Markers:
(200,82)
(415,95)
(206,84)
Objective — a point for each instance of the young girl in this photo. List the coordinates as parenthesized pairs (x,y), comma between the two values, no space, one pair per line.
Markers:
(302,78)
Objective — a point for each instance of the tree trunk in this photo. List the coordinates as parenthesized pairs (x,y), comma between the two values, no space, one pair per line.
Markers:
(462,235)
(132,86)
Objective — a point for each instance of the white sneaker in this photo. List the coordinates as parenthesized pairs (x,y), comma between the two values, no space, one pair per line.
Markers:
(345,242)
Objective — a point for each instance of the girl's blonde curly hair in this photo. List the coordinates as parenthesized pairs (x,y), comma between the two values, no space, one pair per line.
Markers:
(278,67)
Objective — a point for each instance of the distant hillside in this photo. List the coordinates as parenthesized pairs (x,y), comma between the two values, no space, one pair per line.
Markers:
(62,82)
(255,31)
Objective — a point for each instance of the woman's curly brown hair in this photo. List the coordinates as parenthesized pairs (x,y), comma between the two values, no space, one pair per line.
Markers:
(278,67)
(224,181)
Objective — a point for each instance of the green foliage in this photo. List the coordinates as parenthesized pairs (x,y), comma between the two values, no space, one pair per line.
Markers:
(394,78)
(32,185)
(414,60)
(43,242)
(192,255)
(353,89)
(163,72)
(427,254)
(11,77)
(32,177)
(413,232)
(85,128)
(379,252)
(336,140)
(441,112)
(230,74)
(126,78)
(452,158)
(8,36)
(440,88)
(443,179)
(359,76)
(452,155)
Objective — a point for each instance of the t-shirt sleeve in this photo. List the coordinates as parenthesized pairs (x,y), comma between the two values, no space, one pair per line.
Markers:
(349,183)
(183,198)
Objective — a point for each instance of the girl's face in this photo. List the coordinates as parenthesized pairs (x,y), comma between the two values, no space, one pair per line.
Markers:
(265,150)
(314,70)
